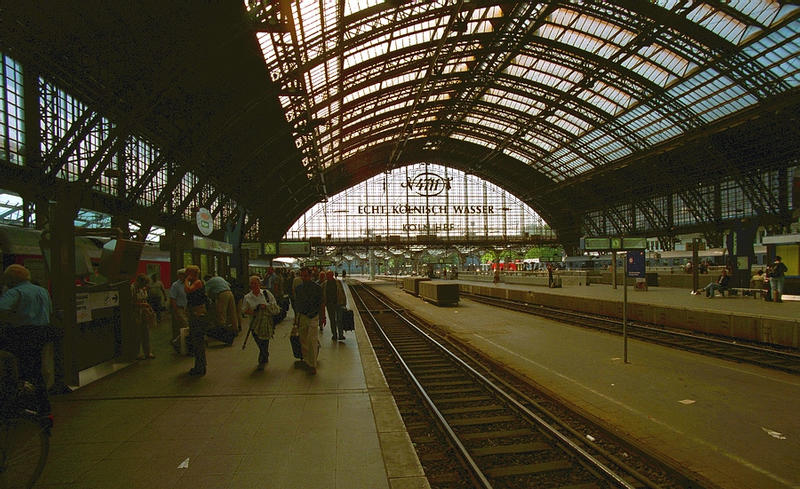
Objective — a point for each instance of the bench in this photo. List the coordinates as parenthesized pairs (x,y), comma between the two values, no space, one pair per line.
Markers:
(755,293)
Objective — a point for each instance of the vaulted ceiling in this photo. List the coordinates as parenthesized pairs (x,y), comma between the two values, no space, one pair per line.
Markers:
(571,105)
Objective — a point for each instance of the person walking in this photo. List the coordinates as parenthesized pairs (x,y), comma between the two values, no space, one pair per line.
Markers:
(311,312)
(334,298)
(198,317)
(177,303)
(144,316)
(157,295)
(256,305)
(297,280)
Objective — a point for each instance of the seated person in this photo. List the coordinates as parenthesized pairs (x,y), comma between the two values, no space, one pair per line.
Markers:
(721,284)
(757,280)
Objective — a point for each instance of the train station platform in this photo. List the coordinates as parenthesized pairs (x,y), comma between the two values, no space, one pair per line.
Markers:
(738,317)
(150,425)
(668,296)
(735,426)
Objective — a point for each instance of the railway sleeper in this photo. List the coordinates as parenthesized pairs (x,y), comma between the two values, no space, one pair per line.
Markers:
(540,468)
(484,420)
(487,435)
(474,409)
(464,400)
(450,383)
(510,449)
(441,392)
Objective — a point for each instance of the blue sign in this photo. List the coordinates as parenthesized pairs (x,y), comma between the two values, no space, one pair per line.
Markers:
(636,264)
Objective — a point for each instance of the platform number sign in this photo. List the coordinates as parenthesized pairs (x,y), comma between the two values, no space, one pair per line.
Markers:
(205,222)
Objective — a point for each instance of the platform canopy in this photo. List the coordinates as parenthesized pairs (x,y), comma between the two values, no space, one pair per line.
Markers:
(571,105)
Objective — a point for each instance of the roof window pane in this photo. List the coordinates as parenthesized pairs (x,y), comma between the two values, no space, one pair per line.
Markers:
(717,22)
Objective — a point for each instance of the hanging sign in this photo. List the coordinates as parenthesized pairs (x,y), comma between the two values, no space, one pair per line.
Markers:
(205,222)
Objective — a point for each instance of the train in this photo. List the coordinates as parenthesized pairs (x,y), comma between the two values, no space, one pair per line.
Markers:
(21,246)
(677,258)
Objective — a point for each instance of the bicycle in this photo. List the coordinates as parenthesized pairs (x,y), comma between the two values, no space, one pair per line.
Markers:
(24,433)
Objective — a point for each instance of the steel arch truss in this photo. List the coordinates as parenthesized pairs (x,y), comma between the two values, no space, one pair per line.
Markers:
(548,83)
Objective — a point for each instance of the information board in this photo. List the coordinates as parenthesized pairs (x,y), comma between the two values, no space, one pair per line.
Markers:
(614,243)
(636,264)
(596,244)
(294,248)
(634,243)
(252,250)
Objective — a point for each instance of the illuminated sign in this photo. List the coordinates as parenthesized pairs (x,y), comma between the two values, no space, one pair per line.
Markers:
(613,244)
(202,243)
(205,222)
(596,244)
(294,248)
(634,243)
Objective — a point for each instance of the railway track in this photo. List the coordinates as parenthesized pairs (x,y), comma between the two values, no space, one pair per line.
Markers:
(738,351)
(471,427)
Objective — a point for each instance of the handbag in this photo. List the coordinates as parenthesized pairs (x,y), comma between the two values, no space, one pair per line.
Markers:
(273,309)
(294,339)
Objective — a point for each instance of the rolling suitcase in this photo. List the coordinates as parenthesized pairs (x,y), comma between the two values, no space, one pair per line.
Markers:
(296,348)
(183,345)
(348,321)
(224,334)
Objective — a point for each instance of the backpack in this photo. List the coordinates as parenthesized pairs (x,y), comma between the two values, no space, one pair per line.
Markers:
(778,270)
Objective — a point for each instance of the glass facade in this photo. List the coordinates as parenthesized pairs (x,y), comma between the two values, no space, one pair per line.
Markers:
(421,200)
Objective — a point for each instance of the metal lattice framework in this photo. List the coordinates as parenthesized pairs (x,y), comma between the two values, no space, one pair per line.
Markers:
(603,116)
(566,88)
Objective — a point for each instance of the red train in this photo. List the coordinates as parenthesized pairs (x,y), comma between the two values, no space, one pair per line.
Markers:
(21,246)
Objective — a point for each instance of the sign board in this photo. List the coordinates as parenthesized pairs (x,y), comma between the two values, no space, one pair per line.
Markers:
(636,264)
(613,244)
(294,248)
(119,259)
(201,243)
(205,221)
(634,243)
(252,250)
(596,244)
(85,303)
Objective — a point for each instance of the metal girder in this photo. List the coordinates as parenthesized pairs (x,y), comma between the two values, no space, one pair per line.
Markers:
(434,68)
(99,161)
(69,143)
(702,211)
(764,202)
(155,166)
(509,41)
(293,84)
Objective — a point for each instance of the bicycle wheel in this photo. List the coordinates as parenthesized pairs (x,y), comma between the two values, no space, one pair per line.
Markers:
(24,444)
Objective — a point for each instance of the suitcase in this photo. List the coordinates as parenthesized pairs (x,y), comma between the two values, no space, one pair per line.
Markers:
(184,341)
(224,334)
(348,321)
(296,349)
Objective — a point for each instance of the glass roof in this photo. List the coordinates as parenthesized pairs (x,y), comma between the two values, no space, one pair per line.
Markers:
(562,86)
